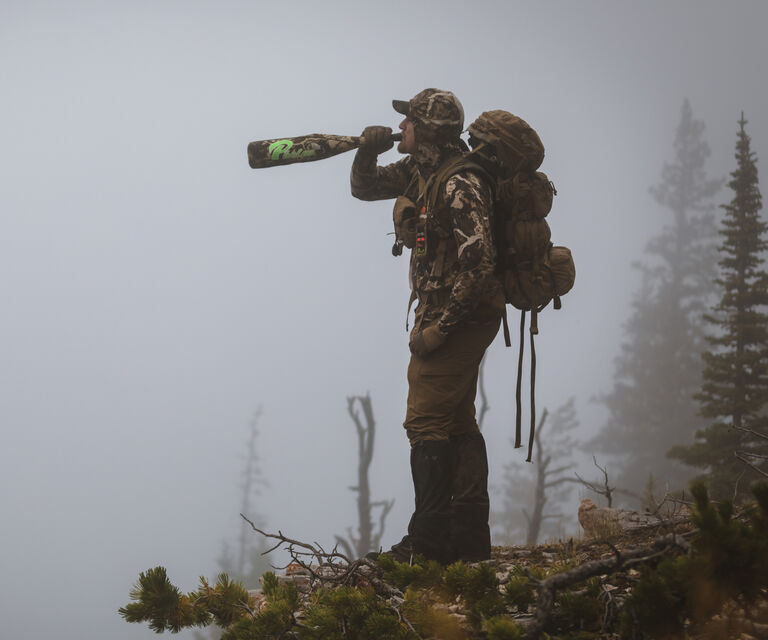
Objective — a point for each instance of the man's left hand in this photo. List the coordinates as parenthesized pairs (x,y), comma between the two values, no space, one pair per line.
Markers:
(426,341)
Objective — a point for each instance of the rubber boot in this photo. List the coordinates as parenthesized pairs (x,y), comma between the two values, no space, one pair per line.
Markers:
(470,506)
(431,468)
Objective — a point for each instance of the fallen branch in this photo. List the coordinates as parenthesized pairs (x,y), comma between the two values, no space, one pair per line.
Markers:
(620,559)
(315,550)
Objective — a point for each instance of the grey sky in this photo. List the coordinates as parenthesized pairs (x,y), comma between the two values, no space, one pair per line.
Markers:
(156,290)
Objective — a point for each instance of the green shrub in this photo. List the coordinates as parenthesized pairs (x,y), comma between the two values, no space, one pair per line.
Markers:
(502,628)
(455,578)
(428,621)
(349,612)
(518,592)
(582,610)
(728,561)
(423,573)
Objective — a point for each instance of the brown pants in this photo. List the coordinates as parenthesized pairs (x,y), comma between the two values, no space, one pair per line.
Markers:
(442,386)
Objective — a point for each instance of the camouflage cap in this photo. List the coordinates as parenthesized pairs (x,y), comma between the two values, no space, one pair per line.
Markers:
(436,109)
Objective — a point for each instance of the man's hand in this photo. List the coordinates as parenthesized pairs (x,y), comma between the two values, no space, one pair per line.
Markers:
(377,139)
(425,342)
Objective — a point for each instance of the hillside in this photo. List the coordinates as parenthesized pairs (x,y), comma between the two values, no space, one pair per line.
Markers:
(698,577)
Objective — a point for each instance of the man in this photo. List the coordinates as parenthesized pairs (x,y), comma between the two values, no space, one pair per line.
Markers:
(460,302)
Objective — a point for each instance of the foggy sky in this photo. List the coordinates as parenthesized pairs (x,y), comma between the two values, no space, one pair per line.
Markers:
(156,290)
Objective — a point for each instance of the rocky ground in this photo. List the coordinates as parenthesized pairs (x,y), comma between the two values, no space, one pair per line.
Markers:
(633,576)
(609,560)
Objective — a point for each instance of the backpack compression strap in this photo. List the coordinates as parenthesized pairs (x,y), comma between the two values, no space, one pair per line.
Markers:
(518,413)
(518,403)
(505,324)
(531,434)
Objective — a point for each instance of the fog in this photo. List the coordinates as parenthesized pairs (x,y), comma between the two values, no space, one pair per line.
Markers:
(156,290)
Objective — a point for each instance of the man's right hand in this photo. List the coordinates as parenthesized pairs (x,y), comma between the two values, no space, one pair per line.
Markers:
(376,140)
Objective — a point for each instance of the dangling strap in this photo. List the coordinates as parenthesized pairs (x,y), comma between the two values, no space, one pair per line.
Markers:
(507,339)
(534,331)
(518,429)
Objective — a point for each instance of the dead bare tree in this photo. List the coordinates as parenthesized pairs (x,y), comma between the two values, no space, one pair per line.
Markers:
(368,536)
(546,485)
(253,481)
(245,561)
(547,479)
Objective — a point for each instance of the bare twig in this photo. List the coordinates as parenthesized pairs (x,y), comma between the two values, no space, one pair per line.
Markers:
(311,550)
(345,545)
(596,489)
(752,432)
(403,619)
(338,569)
(758,456)
(741,455)
(606,490)
(610,611)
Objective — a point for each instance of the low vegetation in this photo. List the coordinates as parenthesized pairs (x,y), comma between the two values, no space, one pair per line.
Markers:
(705,579)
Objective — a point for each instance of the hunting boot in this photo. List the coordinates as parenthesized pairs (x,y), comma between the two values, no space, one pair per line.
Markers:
(431,468)
(470,506)
(401,551)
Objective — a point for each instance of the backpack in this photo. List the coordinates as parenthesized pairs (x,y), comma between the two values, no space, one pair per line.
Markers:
(533,271)
(507,153)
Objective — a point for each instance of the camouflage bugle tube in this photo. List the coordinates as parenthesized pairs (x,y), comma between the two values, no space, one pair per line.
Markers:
(316,146)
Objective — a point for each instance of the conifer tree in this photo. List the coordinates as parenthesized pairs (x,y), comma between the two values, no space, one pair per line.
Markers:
(650,408)
(734,389)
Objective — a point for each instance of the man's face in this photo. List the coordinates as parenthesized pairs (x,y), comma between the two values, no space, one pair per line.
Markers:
(408,143)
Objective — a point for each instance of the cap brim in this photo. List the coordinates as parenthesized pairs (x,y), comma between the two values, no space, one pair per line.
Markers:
(401,106)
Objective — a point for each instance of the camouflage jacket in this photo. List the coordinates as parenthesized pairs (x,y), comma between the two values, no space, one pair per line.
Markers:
(454,280)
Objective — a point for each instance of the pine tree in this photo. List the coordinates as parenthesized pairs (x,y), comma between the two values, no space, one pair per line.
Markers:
(734,387)
(659,367)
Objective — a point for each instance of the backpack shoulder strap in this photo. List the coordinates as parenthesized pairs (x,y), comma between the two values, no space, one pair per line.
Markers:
(450,169)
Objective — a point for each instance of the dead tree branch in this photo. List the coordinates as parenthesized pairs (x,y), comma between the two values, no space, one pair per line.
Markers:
(332,567)
(606,490)
(313,550)
(752,432)
(742,455)
(543,485)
